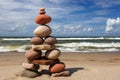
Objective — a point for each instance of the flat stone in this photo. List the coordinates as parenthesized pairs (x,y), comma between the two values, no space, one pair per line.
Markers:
(45,61)
(43,47)
(29,73)
(30,66)
(63,73)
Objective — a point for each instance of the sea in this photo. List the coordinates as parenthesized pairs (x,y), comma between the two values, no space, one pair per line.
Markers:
(65,44)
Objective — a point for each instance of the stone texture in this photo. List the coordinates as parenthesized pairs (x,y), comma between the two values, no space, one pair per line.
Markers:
(56,68)
(30,66)
(29,73)
(42,31)
(42,18)
(36,40)
(33,54)
(50,40)
(43,47)
(53,54)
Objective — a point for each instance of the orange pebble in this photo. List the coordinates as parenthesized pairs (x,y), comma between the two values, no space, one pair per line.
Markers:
(42,18)
(56,68)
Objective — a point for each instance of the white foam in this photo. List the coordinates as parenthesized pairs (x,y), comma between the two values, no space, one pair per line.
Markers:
(15,39)
(12,48)
(97,38)
(90,44)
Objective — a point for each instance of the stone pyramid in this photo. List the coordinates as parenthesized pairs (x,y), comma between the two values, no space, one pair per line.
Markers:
(43,41)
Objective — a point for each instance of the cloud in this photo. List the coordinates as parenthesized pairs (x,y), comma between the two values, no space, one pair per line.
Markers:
(68,17)
(102,12)
(88,29)
(67,29)
(71,29)
(113,25)
(17,16)
(106,3)
(95,20)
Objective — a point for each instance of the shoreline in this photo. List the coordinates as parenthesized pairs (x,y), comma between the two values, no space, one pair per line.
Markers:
(83,66)
(68,52)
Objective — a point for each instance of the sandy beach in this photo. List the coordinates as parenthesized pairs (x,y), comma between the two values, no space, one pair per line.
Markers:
(83,66)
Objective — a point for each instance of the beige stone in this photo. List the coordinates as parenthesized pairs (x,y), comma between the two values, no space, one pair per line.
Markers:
(63,73)
(42,31)
(53,54)
(29,73)
(43,47)
(30,66)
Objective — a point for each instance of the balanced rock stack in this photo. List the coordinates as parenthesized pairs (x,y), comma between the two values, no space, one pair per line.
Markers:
(43,41)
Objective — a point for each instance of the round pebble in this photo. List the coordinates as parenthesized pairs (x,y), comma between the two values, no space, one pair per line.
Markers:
(53,54)
(56,68)
(42,18)
(42,31)
(50,40)
(33,54)
(36,40)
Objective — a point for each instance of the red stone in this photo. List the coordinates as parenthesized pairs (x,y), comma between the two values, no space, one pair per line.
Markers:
(42,18)
(56,68)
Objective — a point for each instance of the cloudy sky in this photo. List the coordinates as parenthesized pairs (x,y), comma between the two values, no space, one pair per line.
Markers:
(69,17)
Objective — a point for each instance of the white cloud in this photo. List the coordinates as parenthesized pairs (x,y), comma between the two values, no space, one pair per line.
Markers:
(106,3)
(17,15)
(88,29)
(102,12)
(70,29)
(95,20)
(66,29)
(113,25)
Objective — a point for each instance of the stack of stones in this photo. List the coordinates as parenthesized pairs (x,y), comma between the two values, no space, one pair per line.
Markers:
(43,41)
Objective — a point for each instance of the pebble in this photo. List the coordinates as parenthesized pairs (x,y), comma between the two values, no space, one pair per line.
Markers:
(36,40)
(30,66)
(50,40)
(56,68)
(43,47)
(33,54)
(52,54)
(42,31)
(42,18)
(63,73)
(29,73)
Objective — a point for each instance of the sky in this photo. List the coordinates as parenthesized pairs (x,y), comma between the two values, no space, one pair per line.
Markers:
(69,17)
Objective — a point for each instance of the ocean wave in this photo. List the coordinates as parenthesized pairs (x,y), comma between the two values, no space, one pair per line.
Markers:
(65,44)
(73,44)
(82,38)
(94,38)
(15,39)
(22,48)
(88,50)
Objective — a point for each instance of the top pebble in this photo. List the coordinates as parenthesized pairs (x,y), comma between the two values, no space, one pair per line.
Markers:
(42,18)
